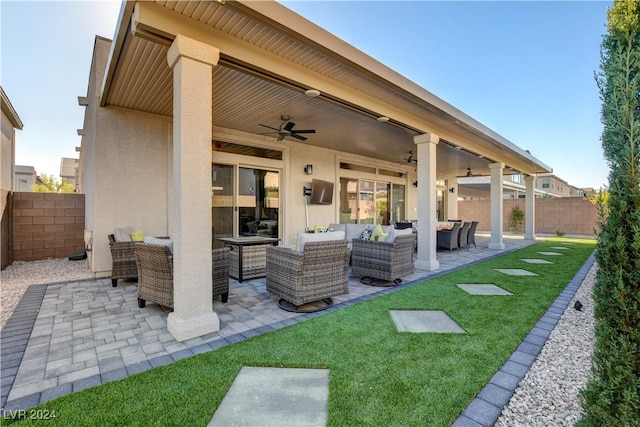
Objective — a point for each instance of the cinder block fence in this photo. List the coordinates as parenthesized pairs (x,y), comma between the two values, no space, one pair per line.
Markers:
(47,225)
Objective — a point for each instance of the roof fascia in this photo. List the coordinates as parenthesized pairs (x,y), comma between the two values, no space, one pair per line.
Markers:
(7,108)
(126,10)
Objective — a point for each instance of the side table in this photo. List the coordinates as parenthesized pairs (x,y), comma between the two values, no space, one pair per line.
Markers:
(248,256)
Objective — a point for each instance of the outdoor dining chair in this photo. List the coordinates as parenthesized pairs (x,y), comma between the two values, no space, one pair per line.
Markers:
(448,239)
(471,237)
(463,235)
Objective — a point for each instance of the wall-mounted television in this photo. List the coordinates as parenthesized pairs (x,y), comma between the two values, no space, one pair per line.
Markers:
(321,192)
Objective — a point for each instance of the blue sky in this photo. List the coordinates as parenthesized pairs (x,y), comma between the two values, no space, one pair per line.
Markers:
(524,69)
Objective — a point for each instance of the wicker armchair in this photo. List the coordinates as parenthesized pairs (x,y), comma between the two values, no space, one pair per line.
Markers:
(320,272)
(124,260)
(471,237)
(155,274)
(383,260)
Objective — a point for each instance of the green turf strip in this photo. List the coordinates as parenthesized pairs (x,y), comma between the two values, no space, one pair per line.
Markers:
(378,376)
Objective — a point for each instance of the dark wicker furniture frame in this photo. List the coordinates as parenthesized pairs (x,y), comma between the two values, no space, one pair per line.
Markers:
(123,260)
(320,272)
(383,260)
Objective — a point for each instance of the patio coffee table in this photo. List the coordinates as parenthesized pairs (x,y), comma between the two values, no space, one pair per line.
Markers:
(248,256)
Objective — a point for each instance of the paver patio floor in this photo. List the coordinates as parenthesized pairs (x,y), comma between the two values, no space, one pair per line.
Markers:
(66,337)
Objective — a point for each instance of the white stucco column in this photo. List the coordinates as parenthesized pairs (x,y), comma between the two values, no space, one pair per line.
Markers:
(452,198)
(192,63)
(496,206)
(530,208)
(427,197)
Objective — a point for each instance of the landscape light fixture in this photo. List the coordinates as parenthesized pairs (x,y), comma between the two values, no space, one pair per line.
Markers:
(578,305)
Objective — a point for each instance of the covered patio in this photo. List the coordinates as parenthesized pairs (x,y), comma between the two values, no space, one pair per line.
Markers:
(185,87)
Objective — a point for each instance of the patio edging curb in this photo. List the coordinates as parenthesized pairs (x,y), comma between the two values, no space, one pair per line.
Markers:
(485,409)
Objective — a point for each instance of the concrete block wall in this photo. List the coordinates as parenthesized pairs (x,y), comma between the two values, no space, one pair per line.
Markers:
(6,245)
(569,215)
(47,225)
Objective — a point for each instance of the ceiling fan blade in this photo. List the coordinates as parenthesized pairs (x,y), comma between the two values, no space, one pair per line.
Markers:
(289,126)
(295,135)
(276,129)
(304,131)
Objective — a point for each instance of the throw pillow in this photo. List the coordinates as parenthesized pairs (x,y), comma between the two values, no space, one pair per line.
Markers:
(376,233)
(320,229)
(366,233)
(122,234)
(137,236)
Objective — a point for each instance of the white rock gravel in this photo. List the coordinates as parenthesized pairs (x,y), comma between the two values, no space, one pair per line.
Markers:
(549,393)
(16,278)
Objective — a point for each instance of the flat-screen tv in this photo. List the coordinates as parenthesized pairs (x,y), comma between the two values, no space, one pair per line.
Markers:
(321,192)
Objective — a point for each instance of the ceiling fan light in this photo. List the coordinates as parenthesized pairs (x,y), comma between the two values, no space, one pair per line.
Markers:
(383,119)
(312,93)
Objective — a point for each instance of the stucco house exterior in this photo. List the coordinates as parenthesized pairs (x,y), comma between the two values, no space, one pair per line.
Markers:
(186,134)
(10,122)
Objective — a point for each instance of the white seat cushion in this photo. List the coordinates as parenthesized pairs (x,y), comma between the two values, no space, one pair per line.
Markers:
(317,237)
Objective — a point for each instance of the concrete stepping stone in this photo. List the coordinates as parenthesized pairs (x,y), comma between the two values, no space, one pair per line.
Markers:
(421,321)
(516,272)
(483,289)
(275,397)
(536,261)
(562,248)
(550,253)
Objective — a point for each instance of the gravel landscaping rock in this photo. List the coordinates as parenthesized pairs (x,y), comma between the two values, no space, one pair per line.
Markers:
(549,395)
(16,278)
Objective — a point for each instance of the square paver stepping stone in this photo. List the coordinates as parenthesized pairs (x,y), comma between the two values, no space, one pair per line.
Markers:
(483,289)
(550,253)
(516,272)
(536,261)
(275,396)
(424,321)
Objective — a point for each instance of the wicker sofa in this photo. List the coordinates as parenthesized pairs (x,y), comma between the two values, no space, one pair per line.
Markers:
(155,274)
(317,273)
(387,261)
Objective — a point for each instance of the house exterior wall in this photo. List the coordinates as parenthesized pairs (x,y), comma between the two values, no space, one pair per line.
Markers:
(569,215)
(7,162)
(127,169)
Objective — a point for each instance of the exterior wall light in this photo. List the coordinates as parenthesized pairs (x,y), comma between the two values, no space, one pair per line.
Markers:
(308,169)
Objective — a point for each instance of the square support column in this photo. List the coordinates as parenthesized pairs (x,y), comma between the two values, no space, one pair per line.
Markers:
(497,221)
(427,198)
(192,63)
(530,208)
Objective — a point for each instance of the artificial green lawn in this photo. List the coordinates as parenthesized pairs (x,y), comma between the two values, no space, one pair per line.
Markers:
(378,376)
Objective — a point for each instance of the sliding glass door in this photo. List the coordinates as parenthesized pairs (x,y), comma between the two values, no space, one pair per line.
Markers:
(245,201)
(371,202)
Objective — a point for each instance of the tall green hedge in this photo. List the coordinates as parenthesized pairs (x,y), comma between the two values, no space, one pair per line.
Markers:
(612,397)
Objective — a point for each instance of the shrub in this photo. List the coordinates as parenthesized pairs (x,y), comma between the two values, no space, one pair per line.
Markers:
(516,220)
(612,395)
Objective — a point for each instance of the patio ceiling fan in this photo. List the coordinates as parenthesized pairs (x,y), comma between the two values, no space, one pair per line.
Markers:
(286,129)
(469,174)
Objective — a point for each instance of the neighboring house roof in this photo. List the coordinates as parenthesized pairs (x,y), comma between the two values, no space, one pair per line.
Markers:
(269,58)
(9,111)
